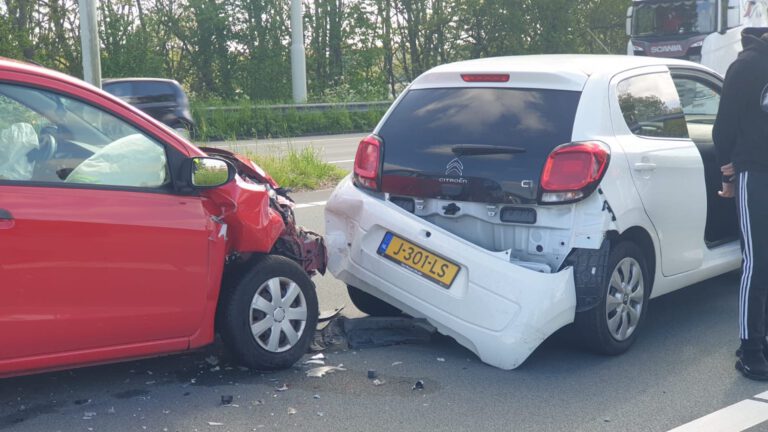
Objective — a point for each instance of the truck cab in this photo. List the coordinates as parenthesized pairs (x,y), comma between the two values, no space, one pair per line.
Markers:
(704,31)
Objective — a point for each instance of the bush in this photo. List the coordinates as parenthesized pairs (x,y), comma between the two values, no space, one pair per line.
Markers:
(242,120)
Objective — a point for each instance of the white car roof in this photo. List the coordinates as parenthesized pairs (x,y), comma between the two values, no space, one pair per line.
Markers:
(566,72)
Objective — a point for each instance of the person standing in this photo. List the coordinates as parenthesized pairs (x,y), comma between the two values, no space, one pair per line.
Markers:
(741,141)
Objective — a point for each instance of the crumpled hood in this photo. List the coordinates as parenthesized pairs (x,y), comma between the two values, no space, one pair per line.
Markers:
(243,165)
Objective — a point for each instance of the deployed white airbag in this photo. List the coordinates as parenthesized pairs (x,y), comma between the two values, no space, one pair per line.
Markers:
(133,160)
(16,142)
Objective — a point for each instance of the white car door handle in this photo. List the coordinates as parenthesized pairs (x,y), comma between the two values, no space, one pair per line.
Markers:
(645,166)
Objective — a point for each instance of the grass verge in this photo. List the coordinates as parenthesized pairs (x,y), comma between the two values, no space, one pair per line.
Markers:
(299,169)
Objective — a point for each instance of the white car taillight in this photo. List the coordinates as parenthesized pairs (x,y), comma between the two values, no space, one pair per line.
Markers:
(367,159)
(573,171)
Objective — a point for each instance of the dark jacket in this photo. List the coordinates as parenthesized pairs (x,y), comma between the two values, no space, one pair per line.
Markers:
(741,128)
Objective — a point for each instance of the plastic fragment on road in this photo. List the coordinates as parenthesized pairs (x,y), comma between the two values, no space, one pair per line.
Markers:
(418,386)
(282,388)
(210,423)
(89,415)
(440,359)
(368,332)
(329,315)
(321,371)
(372,332)
(320,356)
(320,413)
(215,369)
(292,411)
(317,396)
(315,362)
(377,382)
(397,363)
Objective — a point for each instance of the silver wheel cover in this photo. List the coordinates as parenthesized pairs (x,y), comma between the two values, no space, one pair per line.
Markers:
(625,301)
(278,314)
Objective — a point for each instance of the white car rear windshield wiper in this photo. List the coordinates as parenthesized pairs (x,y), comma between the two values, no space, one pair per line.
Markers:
(484,149)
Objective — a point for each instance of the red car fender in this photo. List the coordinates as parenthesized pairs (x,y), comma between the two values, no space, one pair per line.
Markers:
(251,224)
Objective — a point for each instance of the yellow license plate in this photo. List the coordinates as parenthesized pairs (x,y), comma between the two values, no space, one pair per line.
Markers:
(418,260)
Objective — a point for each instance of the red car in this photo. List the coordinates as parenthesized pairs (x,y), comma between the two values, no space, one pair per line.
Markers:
(121,240)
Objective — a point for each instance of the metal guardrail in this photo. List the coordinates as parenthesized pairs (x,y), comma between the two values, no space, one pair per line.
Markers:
(349,106)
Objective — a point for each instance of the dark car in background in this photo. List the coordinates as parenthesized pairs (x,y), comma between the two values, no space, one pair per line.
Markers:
(163,99)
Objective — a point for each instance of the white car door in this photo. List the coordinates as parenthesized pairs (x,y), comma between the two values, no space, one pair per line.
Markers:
(665,164)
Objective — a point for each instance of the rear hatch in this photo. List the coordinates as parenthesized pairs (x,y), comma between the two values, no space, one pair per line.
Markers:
(481,144)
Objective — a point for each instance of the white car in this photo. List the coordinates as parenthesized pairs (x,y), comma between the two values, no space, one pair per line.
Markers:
(504,198)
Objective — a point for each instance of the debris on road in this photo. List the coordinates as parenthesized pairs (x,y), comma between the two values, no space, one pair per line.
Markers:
(418,386)
(440,359)
(321,371)
(317,396)
(89,415)
(330,336)
(320,413)
(82,401)
(282,388)
(212,360)
(329,315)
(368,332)
(371,374)
(372,332)
(377,382)
(227,399)
(397,363)
(215,424)
(292,411)
(314,362)
(319,356)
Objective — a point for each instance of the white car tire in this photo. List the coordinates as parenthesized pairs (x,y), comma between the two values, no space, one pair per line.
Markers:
(371,305)
(611,327)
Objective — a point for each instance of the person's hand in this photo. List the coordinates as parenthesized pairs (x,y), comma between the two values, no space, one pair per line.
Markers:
(728,170)
(728,190)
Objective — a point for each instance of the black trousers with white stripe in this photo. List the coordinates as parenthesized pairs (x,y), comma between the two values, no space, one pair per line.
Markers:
(752,200)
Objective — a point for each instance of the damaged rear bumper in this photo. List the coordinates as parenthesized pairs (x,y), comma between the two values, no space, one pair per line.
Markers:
(499,310)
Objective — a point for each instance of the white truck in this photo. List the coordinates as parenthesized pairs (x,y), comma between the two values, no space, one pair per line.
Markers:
(704,31)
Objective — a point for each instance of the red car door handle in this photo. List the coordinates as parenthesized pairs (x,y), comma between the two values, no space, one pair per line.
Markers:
(6,219)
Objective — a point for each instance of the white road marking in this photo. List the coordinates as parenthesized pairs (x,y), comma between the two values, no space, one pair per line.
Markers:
(737,417)
(312,204)
(342,161)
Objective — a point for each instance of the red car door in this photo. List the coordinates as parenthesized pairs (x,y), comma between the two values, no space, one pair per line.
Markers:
(99,258)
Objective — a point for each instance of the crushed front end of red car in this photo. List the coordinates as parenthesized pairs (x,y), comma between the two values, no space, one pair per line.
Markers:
(259,217)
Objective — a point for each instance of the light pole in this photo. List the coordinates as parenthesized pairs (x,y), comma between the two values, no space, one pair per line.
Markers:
(298,60)
(89,41)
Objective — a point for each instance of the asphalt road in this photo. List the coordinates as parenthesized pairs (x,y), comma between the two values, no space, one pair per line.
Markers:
(680,369)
